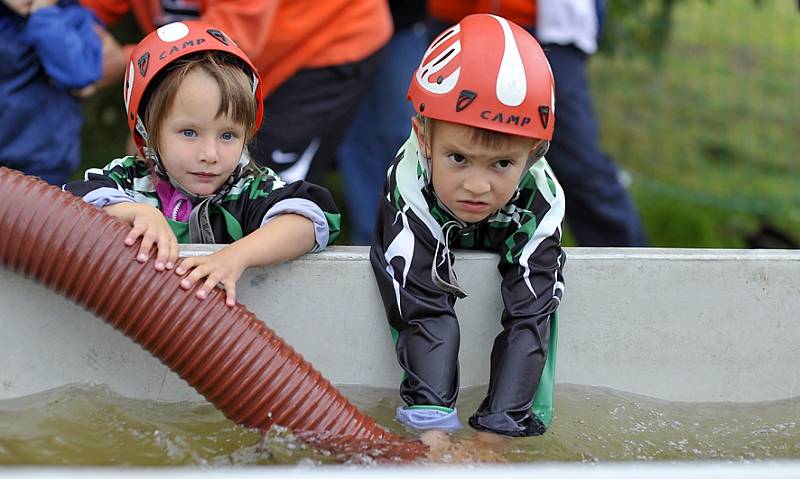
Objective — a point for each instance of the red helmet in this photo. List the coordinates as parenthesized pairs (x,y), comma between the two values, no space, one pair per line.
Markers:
(490,73)
(164,46)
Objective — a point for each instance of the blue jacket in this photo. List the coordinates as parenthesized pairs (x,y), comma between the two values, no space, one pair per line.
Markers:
(43,57)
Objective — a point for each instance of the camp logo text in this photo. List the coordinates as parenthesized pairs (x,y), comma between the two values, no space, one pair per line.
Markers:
(177,48)
(507,119)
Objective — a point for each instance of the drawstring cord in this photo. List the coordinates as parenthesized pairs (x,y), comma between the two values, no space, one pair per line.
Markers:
(450,286)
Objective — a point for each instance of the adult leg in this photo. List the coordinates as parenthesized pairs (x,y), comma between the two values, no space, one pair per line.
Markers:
(599,210)
(380,127)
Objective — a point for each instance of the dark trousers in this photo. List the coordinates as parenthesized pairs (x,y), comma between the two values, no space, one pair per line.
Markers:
(307,116)
(599,210)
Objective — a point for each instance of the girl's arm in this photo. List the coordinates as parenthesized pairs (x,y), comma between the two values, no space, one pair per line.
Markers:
(281,239)
(112,188)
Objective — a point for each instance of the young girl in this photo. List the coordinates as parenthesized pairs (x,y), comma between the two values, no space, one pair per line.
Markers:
(193,101)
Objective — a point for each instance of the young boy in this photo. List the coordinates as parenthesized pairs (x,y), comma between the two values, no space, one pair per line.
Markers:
(472,175)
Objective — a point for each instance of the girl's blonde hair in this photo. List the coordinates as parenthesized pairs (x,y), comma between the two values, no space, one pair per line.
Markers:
(236,91)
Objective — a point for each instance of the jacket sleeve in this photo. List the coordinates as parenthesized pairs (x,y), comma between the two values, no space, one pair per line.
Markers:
(270,198)
(519,397)
(420,314)
(531,257)
(67,45)
(107,186)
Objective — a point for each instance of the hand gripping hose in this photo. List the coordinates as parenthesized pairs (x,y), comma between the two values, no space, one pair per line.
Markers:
(225,353)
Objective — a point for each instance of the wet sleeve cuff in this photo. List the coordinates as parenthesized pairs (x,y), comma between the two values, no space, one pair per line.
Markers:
(308,209)
(421,418)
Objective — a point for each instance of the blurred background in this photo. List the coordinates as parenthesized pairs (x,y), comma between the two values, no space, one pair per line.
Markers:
(697,102)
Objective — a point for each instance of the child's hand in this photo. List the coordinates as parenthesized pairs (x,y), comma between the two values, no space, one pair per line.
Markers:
(220,267)
(479,448)
(20,7)
(149,224)
(438,442)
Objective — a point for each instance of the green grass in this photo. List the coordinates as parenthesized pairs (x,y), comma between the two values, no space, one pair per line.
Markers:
(710,134)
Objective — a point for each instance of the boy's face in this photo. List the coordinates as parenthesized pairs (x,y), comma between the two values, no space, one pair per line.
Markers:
(473,180)
(198,148)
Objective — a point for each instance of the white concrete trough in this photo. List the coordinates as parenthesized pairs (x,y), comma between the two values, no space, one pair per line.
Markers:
(674,324)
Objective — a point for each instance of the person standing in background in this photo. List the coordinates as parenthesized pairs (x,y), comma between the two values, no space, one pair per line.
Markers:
(48,50)
(315,59)
(381,124)
(599,210)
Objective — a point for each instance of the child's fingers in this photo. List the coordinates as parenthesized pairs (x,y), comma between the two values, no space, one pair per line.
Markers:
(211,281)
(164,249)
(198,272)
(144,249)
(185,265)
(230,293)
(174,253)
(133,235)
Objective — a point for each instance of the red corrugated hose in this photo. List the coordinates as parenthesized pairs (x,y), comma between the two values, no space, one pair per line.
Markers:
(229,356)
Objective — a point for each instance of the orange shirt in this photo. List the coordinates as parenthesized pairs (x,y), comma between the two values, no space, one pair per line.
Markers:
(280,36)
(521,12)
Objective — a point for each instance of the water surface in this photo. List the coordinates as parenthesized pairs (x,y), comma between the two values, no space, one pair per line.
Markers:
(90,425)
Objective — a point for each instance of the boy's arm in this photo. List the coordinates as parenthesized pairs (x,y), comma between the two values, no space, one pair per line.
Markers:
(533,285)
(421,316)
(531,256)
(112,188)
(519,399)
(67,44)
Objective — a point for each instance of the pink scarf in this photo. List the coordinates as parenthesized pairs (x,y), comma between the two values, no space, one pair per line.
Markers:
(174,204)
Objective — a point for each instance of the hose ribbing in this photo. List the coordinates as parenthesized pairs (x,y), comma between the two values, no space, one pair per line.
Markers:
(225,353)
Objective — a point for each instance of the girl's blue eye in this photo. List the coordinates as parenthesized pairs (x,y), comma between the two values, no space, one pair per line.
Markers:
(227,136)
(189,133)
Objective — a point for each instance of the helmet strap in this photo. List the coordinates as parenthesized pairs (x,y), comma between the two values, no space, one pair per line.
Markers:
(424,148)
(541,149)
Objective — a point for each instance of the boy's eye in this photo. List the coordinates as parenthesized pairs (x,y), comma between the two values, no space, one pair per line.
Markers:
(189,133)
(503,164)
(456,158)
